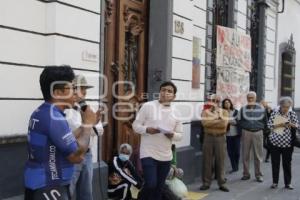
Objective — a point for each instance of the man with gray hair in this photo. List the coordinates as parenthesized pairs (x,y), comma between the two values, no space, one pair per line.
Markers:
(252,121)
(215,122)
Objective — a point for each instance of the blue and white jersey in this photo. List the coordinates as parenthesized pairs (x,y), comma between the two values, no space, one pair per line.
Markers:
(50,142)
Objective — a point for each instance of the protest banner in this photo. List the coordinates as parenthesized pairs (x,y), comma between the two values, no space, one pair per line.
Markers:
(233,49)
(233,62)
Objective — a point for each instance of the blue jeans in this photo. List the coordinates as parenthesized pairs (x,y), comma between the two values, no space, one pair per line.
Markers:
(81,183)
(155,173)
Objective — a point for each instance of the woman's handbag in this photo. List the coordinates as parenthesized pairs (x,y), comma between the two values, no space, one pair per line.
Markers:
(266,140)
(295,137)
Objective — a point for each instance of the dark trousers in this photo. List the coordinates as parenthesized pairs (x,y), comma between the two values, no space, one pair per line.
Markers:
(268,153)
(155,173)
(286,154)
(267,146)
(233,149)
(120,191)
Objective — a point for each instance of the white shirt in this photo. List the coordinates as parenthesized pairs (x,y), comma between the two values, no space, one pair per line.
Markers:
(74,120)
(233,131)
(155,115)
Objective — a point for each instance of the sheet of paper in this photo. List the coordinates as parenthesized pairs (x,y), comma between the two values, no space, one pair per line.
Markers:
(163,130)
(279,120)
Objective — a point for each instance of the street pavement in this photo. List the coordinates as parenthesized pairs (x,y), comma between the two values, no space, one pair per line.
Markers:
(247,190)
(252,190)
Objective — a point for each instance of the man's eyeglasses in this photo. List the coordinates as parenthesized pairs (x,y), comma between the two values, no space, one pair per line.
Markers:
(70,88)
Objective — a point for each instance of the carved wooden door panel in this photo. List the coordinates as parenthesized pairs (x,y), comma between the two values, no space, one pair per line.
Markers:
(125,67)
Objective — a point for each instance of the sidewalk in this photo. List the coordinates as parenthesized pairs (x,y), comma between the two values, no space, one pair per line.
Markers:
(252,190)
(247,190)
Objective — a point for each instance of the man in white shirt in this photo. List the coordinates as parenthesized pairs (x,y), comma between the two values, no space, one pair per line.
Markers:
(82,178)
(158,123)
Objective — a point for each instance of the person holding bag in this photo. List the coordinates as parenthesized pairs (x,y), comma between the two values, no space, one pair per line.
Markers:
(174,179)
(158,122)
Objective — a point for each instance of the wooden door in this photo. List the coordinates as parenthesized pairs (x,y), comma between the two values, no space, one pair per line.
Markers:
(125,68)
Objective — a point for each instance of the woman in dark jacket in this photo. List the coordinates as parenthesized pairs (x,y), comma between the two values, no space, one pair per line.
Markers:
(267,130)
(122,175)
(281,122)
(233,135)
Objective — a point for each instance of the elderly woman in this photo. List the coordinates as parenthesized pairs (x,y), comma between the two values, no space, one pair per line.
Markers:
(280,123)
(122,175)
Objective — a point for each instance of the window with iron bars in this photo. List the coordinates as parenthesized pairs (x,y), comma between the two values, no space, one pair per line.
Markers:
(252,29)
(219,12)
(224,13)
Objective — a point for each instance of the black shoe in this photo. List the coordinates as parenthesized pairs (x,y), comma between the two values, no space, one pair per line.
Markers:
(267,160)
(245,178)
(274,185)
(289,187)
(224,188)
(204,187)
